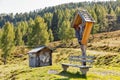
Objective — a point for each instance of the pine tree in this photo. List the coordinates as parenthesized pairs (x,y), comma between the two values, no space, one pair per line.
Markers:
(66,33)
(51,38)
(111,12)
(101,18)
(18,36)
(48,19)
(92,12)
(7,40)
(40,35)
(54,26)
(24,29)
(117,11)
(66,14)
(30,29)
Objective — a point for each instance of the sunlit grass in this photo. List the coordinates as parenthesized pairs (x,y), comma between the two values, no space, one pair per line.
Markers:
(20,70)
(41,73)
(106,65)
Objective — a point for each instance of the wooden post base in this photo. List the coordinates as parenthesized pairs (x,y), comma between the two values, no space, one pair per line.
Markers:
(84,70)
(65,67)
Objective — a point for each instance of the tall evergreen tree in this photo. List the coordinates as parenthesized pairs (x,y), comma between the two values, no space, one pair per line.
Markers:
(54,26)
(101,19)
(18,36)
(117,11)
(39,32)
(66,33)
(48,19)
(7,40)
(31,24)
(111,12)
(24,29)
(66,14)
(51,38)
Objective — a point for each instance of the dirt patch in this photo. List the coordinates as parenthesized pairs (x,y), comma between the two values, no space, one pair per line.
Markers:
(107,72)
(51,71)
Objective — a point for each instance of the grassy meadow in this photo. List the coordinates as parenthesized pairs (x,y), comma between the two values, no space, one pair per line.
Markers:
(106,65)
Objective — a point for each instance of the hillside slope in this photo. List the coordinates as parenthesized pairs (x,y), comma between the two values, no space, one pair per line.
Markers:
(109,41)
(105,66)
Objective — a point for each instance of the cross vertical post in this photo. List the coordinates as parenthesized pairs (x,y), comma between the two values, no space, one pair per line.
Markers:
(83,49)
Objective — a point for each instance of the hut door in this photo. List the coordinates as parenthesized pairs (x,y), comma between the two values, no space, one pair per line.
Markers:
(38,61)
(44,59)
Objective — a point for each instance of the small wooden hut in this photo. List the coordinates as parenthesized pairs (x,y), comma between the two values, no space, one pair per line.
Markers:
(41,56)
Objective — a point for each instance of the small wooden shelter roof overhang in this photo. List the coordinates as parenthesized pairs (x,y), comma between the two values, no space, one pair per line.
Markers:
(38,49)
(81,17)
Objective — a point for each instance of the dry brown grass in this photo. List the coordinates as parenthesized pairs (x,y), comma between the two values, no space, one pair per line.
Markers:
(108,41)
(108,44)
(106,35)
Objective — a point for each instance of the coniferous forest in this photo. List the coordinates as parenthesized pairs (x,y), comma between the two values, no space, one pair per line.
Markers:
(42,26)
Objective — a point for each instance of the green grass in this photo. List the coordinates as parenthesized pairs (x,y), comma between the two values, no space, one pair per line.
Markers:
(19,69)
(106,64)
(23,72)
